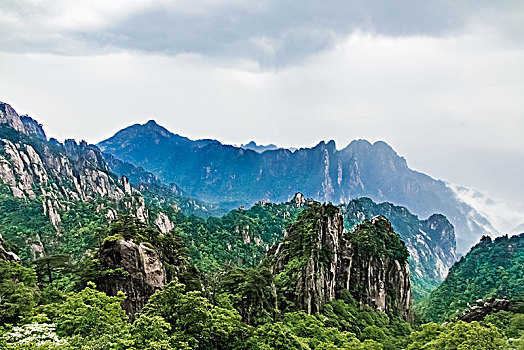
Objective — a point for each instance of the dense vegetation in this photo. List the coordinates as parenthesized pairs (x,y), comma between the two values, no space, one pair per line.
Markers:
(230,314)
(378,240)
(493,268)
(240,238)
(217,295)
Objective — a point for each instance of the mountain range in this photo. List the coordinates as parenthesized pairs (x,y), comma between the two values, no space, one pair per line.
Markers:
(123,246)
(233,176)
(50,191)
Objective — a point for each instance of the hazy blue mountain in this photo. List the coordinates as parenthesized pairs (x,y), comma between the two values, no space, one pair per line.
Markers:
(217,173)
(252,145)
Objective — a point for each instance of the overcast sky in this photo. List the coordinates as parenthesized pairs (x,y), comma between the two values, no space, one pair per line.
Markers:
(441,81)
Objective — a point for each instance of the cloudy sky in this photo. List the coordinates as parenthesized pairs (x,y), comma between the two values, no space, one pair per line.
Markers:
(441,81)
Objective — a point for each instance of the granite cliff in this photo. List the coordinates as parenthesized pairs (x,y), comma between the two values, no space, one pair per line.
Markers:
(46,185)
(143,272)
(318,260)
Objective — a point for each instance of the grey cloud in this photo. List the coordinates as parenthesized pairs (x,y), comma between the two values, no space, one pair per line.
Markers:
(274,33)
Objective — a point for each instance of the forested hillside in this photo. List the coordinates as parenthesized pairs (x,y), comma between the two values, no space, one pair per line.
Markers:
(492,269)
(238,309)
(92,260)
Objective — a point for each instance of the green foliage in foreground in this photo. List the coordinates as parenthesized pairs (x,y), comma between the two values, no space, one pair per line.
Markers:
(18,293)
(177,319)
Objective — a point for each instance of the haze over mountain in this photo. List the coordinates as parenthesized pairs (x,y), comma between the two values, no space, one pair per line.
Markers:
(252,145)
(53,197)
(312,175)
(219,173)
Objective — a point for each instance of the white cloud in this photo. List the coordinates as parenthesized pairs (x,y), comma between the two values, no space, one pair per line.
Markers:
(440,81)
(503,215)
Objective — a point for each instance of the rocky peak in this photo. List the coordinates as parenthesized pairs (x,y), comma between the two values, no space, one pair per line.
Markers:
(440,230)
(318,260)
(126,185)
(252,145)
(299,200)
(24,124)
(154,128)
(144,272)
(9,116)
(32,127)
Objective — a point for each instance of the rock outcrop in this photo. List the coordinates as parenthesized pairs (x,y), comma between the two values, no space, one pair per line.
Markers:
(6,255)
(163,223)
(57,174)
(32,127)
(483,308)
(21,123)
(144,272)
(319,260)
(9,116)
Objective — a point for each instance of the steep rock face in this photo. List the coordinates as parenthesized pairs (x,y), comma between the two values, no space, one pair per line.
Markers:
(56,177)
(218,173)
(56,174)
(318,260)
(144,272)
(163,223)
(9,116)
(387,283)
(431,243)
(23,124)
(6,255)
(32,127)
(441,234)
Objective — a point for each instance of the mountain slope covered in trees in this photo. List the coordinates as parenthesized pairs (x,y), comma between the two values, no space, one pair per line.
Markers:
(492,269)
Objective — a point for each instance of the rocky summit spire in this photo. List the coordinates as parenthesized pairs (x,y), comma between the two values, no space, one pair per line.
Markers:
(299,199)
(24,124)
(319,260)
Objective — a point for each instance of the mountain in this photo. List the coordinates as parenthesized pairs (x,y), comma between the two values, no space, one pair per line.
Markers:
(242,237)
(318,261)
(54,197)
(252,145)
(218,173)
(491,269)
(23,124)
